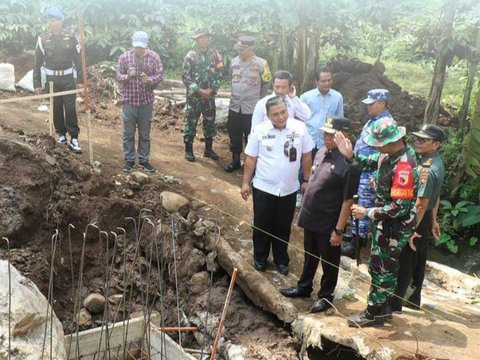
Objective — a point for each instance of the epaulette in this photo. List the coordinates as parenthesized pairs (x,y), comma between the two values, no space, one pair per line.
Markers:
(424,173)
(428,162)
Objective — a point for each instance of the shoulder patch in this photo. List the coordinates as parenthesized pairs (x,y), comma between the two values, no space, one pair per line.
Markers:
(428,162)
(424,174)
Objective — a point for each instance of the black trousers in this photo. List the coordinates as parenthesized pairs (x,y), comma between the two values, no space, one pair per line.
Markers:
(238,126)
(274,215)
(318,244)
(64,112)
(412,266)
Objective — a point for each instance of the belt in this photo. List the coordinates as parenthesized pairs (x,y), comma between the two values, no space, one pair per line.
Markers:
(59,72)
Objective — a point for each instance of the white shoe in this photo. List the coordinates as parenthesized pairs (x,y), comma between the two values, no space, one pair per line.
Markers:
(62,140)
(299,202)
(74,146)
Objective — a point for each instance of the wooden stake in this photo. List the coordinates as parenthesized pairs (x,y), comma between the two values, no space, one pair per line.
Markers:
(38,97)
(50,116)
(89,138)
(224,314)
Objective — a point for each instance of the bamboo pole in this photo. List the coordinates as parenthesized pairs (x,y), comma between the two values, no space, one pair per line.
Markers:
(50,115)
(37,97)
(224,313)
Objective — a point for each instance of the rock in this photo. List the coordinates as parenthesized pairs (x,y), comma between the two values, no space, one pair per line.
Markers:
(191,262)
(115,299)
(85,319)
(50,160)
(134,185)
(14,205)
(129,193)
(173,202)
(199,231)
(27,317)
(210,225)
(95,303)
(198,282)
(140,177)
(212,264)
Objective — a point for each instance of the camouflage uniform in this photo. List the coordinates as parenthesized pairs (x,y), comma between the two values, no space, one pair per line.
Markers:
(201,70)
(393,214)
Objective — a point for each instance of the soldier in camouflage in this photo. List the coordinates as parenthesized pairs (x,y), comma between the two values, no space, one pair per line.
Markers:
(393,214)
(201,74)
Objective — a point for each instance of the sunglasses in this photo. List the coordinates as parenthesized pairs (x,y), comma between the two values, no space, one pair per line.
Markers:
(420,140)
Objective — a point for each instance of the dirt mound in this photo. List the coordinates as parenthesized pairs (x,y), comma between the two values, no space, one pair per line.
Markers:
(354,79)
(23,63)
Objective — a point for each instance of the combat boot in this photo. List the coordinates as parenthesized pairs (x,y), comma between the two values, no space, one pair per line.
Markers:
(348,247)
(189,151)
(370,317)
(209,151)
(235,164)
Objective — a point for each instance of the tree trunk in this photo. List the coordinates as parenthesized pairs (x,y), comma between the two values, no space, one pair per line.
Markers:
(471,145)
(301,55)
(443,58)
(467,95)
(311,64)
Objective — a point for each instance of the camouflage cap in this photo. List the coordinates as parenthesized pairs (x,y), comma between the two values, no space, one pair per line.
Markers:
(200,32)
(336,123)
(375,95)
(384,131)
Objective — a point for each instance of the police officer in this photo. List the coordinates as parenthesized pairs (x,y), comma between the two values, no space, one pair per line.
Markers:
(377,108)
(201,74)
(250,77)
(393,213)
(414,257)
(326,208)
(275,151)
(58,54)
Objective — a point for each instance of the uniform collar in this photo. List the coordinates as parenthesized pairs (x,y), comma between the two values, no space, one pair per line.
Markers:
(398,154)
(433,154)
(287,125)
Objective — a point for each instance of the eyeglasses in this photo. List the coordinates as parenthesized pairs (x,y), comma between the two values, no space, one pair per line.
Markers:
(420,140)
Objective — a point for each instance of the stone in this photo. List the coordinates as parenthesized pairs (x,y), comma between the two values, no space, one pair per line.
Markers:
(85,319)
(95,303)
(210,225)
(28,310)
(115,299)
(212,264)
(173,202)
(198,282)
(199,231)
(140,177)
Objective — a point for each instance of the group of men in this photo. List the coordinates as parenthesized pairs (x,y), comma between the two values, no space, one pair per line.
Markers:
(294,145)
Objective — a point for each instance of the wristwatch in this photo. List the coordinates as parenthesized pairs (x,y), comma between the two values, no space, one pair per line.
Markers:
(339,232)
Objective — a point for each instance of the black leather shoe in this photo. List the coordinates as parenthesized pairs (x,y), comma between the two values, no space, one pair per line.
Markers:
(260,266)
(283,269)
(295,292)
(320,305)
(365,319)
(234,165)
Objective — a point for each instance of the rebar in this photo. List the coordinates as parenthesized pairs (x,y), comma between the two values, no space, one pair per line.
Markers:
(9,298)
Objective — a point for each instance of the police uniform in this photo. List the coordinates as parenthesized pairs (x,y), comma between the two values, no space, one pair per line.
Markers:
(201,70)
(393,216)
(275,185)
(59,56)
(250,81)
(412,263)
(332,182)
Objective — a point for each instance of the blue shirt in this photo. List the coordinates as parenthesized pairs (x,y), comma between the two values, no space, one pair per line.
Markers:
(321,106)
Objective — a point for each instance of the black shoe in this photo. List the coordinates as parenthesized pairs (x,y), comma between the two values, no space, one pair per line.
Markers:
(283,269)
(348,248)
(260,266)
(320,305)
(146,166)
(189,152)
(365,319)
(128,167)
(210,154)
(234,165)
(295,292)
(74,146)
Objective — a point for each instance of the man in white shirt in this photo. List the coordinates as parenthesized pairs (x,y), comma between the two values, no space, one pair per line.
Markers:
(282,87)
(275,151)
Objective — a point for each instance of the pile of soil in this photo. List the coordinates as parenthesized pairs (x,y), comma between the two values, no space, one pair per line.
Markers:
(354,78)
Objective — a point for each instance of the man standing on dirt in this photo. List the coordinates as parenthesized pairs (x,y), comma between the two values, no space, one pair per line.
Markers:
(139,70)
(414,257)
(323,102)
(275,151)
(393,213)
(250,78)
(201,74)
(376,101)
(325,211)
(283,87)
(58,54)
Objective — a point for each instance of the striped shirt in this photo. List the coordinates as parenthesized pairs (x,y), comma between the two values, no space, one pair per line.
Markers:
(134,92)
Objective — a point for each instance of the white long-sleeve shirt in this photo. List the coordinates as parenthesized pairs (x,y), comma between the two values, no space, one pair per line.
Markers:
(297,109)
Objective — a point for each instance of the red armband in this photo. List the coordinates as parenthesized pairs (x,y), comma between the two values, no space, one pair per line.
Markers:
(402,184)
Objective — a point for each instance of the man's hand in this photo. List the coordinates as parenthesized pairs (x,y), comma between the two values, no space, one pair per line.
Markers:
(38,91)
(358,212)
(344,145)
(203,93)
(411,241)
(131,72)
(436,232)
(303,187)
(245,191)
(335,240)
(144,78)
(292,92)
(209,92)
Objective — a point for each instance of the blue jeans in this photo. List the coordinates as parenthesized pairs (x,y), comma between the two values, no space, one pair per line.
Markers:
(134,117)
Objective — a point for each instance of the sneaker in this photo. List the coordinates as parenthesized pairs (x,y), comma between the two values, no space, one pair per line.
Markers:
(147,167)
(299,202)
(128,167)
(74,146)
(62,139)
